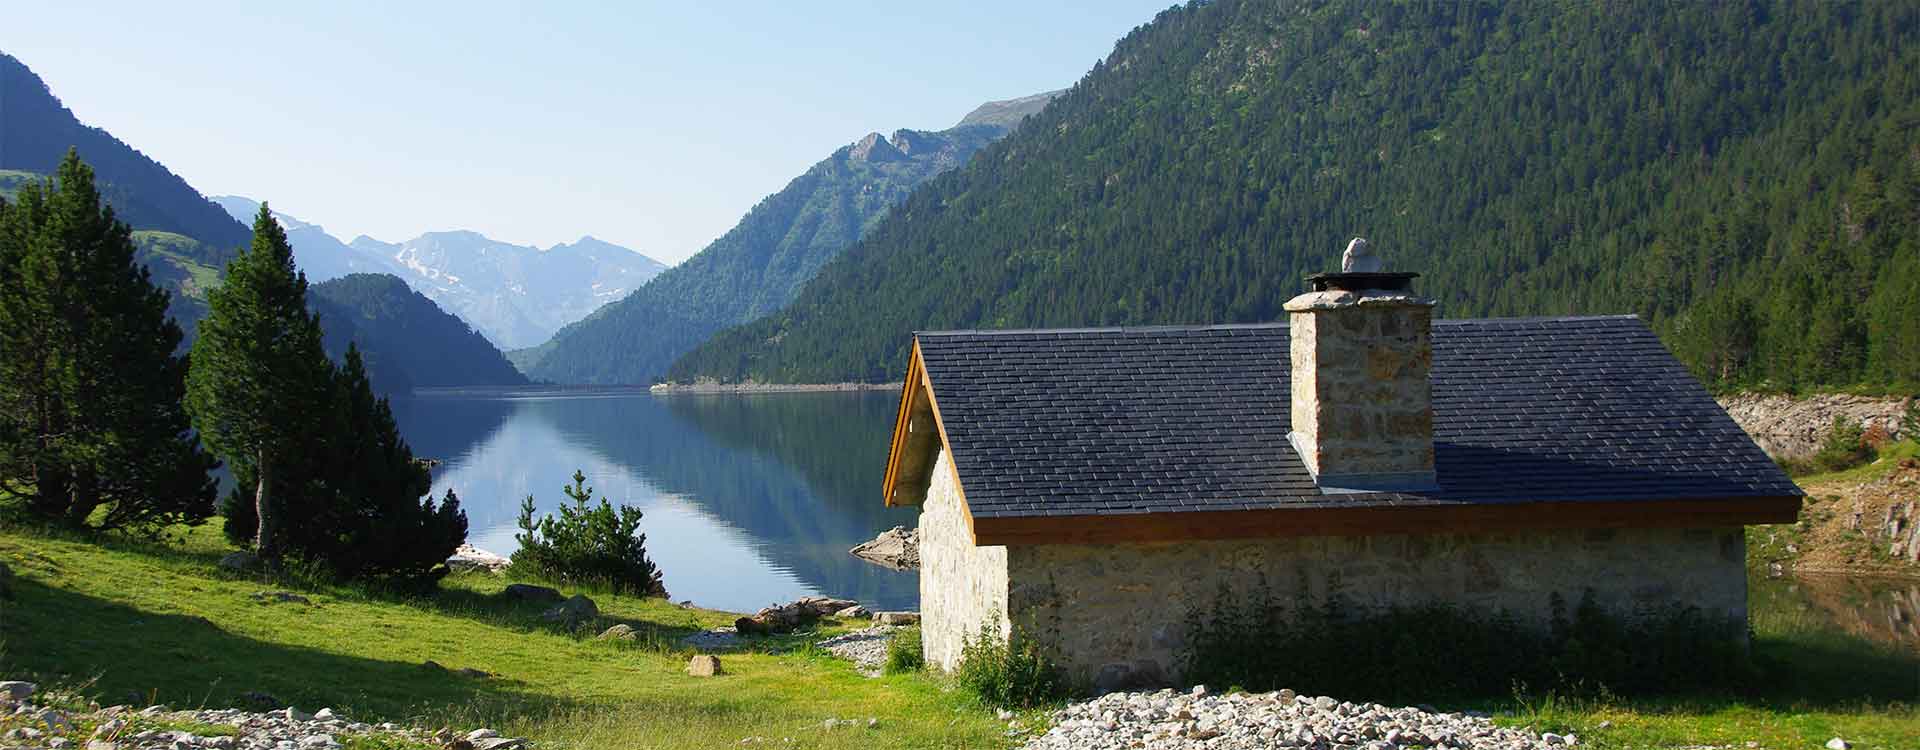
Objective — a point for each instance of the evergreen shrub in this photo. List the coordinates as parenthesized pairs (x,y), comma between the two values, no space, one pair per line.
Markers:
(596,545)
(1846,446)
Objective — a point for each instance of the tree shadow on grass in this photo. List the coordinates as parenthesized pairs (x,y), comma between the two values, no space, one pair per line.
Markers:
(113,652)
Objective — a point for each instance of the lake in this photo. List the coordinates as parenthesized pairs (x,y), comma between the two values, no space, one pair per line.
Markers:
(749,499)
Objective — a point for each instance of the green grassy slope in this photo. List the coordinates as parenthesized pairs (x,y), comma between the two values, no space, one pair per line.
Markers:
(129,618)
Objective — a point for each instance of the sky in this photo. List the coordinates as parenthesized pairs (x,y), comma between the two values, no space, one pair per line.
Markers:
(655,126)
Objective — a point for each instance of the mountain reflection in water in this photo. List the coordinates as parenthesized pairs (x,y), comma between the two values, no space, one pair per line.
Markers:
(749,499)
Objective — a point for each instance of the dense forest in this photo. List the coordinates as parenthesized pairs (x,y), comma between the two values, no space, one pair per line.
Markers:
(407,340)
(756,267)
(1745,176)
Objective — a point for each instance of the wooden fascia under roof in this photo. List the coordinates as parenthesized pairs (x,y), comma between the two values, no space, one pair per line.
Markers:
(919,435)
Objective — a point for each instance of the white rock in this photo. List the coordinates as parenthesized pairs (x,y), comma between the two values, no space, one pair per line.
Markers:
(16,691)
(1839,744)
(481,734)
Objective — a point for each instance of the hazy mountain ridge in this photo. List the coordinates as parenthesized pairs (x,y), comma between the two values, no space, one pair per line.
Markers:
(515,295)
(757,266)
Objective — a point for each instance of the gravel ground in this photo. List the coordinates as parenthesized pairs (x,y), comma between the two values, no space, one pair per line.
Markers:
(866,648)
(124,728)
(1170,720)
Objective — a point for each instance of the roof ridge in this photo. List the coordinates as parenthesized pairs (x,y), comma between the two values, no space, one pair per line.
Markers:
(1536,319)
(1103,329)
(1248,326)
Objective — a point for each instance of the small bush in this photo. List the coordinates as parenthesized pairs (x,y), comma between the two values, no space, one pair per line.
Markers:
(1009,674)
(587,544)
(1846,446)
(904,652)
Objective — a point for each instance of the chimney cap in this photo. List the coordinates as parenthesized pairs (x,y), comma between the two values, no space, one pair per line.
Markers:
(1385,281)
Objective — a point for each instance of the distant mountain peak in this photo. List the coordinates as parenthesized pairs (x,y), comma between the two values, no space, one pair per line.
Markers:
(875,148)
(1008,112)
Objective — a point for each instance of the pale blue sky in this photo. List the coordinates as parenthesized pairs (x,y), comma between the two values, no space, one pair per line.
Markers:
(652,125)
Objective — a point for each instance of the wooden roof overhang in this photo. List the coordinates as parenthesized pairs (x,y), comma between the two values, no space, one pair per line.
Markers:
(1449,518)
(919,435)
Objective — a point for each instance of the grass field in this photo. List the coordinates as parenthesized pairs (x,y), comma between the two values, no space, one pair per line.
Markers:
(120,620)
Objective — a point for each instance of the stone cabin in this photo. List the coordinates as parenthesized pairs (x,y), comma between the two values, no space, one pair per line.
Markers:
(1098,485)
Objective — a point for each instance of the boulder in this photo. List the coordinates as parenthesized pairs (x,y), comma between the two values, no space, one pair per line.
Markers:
(791,616)
(17,691)
(572,612)
(896,618)
(704,665)
(897,548)
(854,612)
(239,562)
(527,592)
(499,743)
(620,632)
(469,557)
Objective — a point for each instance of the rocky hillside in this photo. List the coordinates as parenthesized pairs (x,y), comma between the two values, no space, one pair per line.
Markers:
(1791,427)
(1854,523)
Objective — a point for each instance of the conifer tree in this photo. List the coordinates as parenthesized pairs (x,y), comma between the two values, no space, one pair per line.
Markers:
(260,379)
(91,427)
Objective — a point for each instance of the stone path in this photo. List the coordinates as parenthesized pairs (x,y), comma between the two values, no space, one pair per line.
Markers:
(1170,720)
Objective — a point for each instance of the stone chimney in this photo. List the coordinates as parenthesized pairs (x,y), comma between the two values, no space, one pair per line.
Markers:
(1362,399)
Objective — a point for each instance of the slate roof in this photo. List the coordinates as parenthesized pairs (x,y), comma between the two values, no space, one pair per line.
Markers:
(1169,419)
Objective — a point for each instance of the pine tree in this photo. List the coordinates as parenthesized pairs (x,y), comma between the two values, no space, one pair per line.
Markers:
(260,379)
(94,434)
(352,500)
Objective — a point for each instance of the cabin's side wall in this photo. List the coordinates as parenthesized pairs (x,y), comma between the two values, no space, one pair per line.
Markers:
(1118,614)
(962,587)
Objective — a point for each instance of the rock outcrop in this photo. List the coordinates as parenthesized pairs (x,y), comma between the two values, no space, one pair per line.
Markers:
(1788,427)
(897,548)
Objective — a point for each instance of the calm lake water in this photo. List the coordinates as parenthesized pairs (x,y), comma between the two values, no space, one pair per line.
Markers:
(749,500)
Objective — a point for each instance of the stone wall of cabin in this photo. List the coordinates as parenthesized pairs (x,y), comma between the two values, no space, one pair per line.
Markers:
(1118,613)
(962,587)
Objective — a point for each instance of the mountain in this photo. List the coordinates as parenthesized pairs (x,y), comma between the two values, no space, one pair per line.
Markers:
(759,265)
(321,256)
(36,130)
(408,341)
(182,237)
(515,295)
(1742,175)
(1008,113)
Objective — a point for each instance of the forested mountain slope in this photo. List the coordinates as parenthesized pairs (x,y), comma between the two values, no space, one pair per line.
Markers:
(1743,175)
(36,130)
(760,264)
(408,341)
